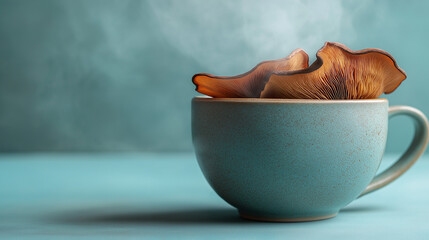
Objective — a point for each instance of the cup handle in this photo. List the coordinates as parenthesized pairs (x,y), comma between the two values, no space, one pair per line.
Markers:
(414,151)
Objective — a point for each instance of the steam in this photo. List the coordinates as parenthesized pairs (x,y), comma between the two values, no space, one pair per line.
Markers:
(115,75)
(231,36)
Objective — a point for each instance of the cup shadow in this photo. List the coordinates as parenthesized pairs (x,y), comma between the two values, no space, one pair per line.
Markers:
(363,209)
(189,216)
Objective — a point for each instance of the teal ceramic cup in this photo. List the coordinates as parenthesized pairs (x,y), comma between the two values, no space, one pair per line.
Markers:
(297,160)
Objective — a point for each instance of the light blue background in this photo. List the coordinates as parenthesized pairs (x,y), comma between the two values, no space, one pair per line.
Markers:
(116,75)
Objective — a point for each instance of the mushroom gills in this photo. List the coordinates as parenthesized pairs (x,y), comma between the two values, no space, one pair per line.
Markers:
(251,83)
(338,73)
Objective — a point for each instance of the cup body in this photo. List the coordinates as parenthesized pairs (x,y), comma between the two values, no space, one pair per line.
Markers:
(281,160)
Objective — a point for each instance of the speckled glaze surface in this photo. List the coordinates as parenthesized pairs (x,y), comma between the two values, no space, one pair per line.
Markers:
(289,160)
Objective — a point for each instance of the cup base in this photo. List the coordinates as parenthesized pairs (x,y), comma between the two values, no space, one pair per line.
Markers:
(292,219)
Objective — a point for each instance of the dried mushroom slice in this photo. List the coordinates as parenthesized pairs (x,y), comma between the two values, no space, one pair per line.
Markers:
(251,83)
(339,73)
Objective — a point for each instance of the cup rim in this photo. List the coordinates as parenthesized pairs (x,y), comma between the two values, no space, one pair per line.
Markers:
(281,100)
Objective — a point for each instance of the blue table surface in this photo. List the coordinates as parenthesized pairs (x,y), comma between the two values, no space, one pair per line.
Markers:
(165,196)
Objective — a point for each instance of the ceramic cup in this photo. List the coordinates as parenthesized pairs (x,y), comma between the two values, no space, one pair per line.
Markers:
(297,160)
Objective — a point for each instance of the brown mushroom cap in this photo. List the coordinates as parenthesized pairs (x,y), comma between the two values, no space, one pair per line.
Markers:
(251,83)
(339,73)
